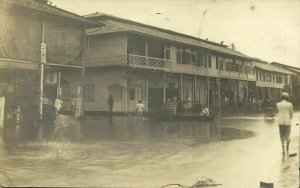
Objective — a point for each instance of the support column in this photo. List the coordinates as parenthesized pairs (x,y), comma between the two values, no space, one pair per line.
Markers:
(164,89)
(181,89)
(195,87)
(43,61)
(219,93)
(147,98)
(58,92)
(247,96)
(83,77)
(275,94)
(208,92)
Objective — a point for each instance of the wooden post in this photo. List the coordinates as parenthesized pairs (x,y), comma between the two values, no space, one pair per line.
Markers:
(147,98)
(247,96)
(208,92)
(83,75)
(43,61)
(181,89)
(195,87)
(219,93)
(58,91)
(164,89)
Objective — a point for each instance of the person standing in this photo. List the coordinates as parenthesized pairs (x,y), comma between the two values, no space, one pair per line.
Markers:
(139,110)
(285,114)
(110,104)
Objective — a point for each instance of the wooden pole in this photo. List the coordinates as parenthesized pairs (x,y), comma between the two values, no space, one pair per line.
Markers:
(83,75)
(208,92)
(164,88)
(219,93)
(58,95)
(43,59)
(147,98)
(195,87)
(181,89)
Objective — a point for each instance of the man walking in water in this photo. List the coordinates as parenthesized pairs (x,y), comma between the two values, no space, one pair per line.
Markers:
(139,110)
(285,114)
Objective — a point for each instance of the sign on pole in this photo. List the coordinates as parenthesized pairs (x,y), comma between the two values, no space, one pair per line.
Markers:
(43,52)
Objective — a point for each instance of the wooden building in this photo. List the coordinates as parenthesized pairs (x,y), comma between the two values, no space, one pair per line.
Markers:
(37,41)
(132,61)
(294,86)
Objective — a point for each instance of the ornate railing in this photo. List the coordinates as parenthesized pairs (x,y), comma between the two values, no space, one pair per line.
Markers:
(131,60)
(149,62)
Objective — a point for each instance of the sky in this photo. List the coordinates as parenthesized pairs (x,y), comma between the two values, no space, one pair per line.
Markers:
(266,29)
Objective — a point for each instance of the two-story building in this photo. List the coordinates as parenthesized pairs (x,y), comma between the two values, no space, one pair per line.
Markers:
(294,86)
(133,61)
(270,81)
(38,42)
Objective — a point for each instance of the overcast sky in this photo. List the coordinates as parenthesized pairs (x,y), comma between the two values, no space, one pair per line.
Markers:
(267,29)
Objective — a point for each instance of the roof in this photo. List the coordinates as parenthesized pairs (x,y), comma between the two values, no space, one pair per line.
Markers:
(271,68)
(287,67)
(49,9)
(114,25)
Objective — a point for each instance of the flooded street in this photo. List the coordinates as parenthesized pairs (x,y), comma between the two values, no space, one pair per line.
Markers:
(121,152)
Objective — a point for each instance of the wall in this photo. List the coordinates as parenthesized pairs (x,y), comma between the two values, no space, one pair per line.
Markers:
(102,79)
(107,45)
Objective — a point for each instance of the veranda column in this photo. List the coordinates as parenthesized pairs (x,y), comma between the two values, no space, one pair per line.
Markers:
(164,88)
(181,89)
(195,87)
(147,98)
(219,93)
(208,92)
(43,61)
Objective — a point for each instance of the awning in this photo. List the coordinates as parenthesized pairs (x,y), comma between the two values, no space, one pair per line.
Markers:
(18,64)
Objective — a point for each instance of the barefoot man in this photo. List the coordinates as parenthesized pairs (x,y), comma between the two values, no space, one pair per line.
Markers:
(285,114)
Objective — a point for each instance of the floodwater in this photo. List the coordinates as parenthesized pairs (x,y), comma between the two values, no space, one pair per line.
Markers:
(122,152)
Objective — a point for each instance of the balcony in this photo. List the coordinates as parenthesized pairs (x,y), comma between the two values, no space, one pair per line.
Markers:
(132,61)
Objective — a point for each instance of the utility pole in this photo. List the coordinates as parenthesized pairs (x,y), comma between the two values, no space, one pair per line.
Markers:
(43,61)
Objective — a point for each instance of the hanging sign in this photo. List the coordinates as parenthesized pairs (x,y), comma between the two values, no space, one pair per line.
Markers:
(43,52)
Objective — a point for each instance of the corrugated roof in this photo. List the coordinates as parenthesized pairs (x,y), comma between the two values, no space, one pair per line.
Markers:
(42,7)
(113,25)
(288,67)
(271,68)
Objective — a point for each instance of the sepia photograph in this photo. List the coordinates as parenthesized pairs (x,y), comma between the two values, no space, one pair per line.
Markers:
(150,93)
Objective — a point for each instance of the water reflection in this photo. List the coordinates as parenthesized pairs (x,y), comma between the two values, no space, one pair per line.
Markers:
(116,129)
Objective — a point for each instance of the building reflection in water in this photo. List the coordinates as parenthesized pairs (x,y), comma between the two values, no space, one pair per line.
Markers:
(123,129)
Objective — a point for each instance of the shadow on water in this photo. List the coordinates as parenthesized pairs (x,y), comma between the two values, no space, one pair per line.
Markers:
(122,129)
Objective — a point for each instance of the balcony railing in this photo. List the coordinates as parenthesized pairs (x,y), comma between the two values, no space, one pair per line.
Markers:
(131,60)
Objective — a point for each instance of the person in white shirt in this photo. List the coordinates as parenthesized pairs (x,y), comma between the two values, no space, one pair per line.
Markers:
(205,111)
(285,114)
(139,110)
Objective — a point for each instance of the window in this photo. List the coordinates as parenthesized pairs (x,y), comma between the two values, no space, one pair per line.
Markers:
(179,55)
(200,59)
(193,57)
(65,92)
(217,62)
(184,55)
(89,93)
(168,56)
(279,79)
(234,66)
(131,94)
(208,61)
(260,76)
(256,76)
(220,59)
